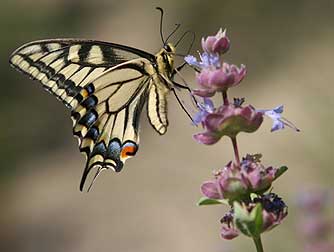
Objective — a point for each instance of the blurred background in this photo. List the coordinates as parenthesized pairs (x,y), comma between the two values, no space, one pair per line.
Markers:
(288,48)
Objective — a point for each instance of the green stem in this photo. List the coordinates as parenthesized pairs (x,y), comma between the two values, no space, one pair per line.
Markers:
(236,151)
(258,244)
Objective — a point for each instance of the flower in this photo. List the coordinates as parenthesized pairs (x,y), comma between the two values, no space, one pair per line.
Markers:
(258,176)
(228,184)
(259,215)
(228,231)
(235,182)
(214,74)
(207,61)
(217,80)
(228,120)
(204,109)
(274,210)
(219,43)
(279,122)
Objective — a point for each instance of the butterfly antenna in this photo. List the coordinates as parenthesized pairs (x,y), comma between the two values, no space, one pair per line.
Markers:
(182,37)
(177,26)
(192,42)
(161,19)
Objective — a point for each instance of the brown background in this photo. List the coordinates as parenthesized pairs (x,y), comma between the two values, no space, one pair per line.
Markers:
(288,49)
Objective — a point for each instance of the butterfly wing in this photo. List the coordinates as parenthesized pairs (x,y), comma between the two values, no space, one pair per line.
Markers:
(106,120)
(106,86)
(66,66)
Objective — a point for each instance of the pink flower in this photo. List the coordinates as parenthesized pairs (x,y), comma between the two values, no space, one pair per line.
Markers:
(229,120)
(228,231)
(217,80)
(235,182)
(214,74)
(219,43)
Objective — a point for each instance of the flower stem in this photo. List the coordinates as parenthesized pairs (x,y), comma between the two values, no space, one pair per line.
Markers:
(258,244)
(236,151)
(225,99)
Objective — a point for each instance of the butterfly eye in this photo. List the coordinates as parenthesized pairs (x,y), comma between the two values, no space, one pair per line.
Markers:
(167,48)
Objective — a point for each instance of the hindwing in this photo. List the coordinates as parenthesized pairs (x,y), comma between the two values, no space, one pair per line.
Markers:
(106,121)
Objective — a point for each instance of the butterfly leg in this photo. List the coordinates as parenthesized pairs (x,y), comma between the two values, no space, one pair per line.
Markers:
(189,90)
(182,105)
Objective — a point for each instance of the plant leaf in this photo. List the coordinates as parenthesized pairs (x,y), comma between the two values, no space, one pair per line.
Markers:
(280,171)
(204,201)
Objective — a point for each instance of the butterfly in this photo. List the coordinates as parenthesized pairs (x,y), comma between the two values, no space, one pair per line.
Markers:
(106,87)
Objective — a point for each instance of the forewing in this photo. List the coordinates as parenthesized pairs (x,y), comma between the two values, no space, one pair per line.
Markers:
(106,121)
(66,66)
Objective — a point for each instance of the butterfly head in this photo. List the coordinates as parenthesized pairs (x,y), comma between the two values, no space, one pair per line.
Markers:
(165,59)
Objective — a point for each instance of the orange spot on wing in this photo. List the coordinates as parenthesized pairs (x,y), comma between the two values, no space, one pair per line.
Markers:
(128,151)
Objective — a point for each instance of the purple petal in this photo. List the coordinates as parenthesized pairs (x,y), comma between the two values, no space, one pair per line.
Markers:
(207,138)
(202,78)
(203,92)
(208,103)
(277,125)
(213,121)
(254,178)
(220,79)
(221,45)
(241,73)
(210,190)
(199,117)
(228,233)
(208,43)
(279,109)
(191,60)
(204,109)
(278,121)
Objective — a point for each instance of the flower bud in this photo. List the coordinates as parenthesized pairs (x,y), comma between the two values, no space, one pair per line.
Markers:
(219,43)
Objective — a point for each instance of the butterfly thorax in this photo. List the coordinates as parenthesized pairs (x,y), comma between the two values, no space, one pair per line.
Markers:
(165,60)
